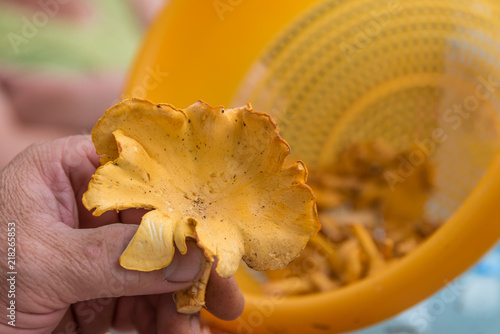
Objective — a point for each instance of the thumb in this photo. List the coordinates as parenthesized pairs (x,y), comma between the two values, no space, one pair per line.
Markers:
(96,273)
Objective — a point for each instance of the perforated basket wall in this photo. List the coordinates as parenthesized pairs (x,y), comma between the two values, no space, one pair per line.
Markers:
(419,75)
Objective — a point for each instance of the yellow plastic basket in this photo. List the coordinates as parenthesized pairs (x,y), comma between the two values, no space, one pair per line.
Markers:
(420,75)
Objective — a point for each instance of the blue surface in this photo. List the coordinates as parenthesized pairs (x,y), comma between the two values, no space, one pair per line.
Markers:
(469,305)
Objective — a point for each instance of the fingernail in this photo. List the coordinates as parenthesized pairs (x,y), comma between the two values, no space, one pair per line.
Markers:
(194,322)
(185,268)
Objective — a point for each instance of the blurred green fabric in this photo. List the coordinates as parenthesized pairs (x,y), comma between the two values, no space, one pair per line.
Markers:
(43,39)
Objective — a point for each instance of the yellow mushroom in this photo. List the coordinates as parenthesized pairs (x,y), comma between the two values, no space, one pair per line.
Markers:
(208,173)
(375,258)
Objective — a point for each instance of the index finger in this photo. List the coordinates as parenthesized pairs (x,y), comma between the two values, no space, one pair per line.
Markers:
(79,162)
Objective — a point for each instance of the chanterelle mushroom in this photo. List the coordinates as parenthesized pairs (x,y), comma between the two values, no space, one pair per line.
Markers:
(207,173)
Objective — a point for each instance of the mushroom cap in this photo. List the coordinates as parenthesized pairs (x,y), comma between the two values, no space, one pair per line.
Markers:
(208,173)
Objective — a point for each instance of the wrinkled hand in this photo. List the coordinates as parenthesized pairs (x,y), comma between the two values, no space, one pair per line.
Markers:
(68,276)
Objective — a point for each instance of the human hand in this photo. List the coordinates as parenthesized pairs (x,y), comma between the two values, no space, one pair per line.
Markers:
(68,279)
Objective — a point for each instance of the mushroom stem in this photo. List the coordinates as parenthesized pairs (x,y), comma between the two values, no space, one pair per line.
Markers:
(368,245)
(192,299)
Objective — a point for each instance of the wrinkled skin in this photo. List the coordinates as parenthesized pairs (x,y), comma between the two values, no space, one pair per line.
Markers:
(68,277)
